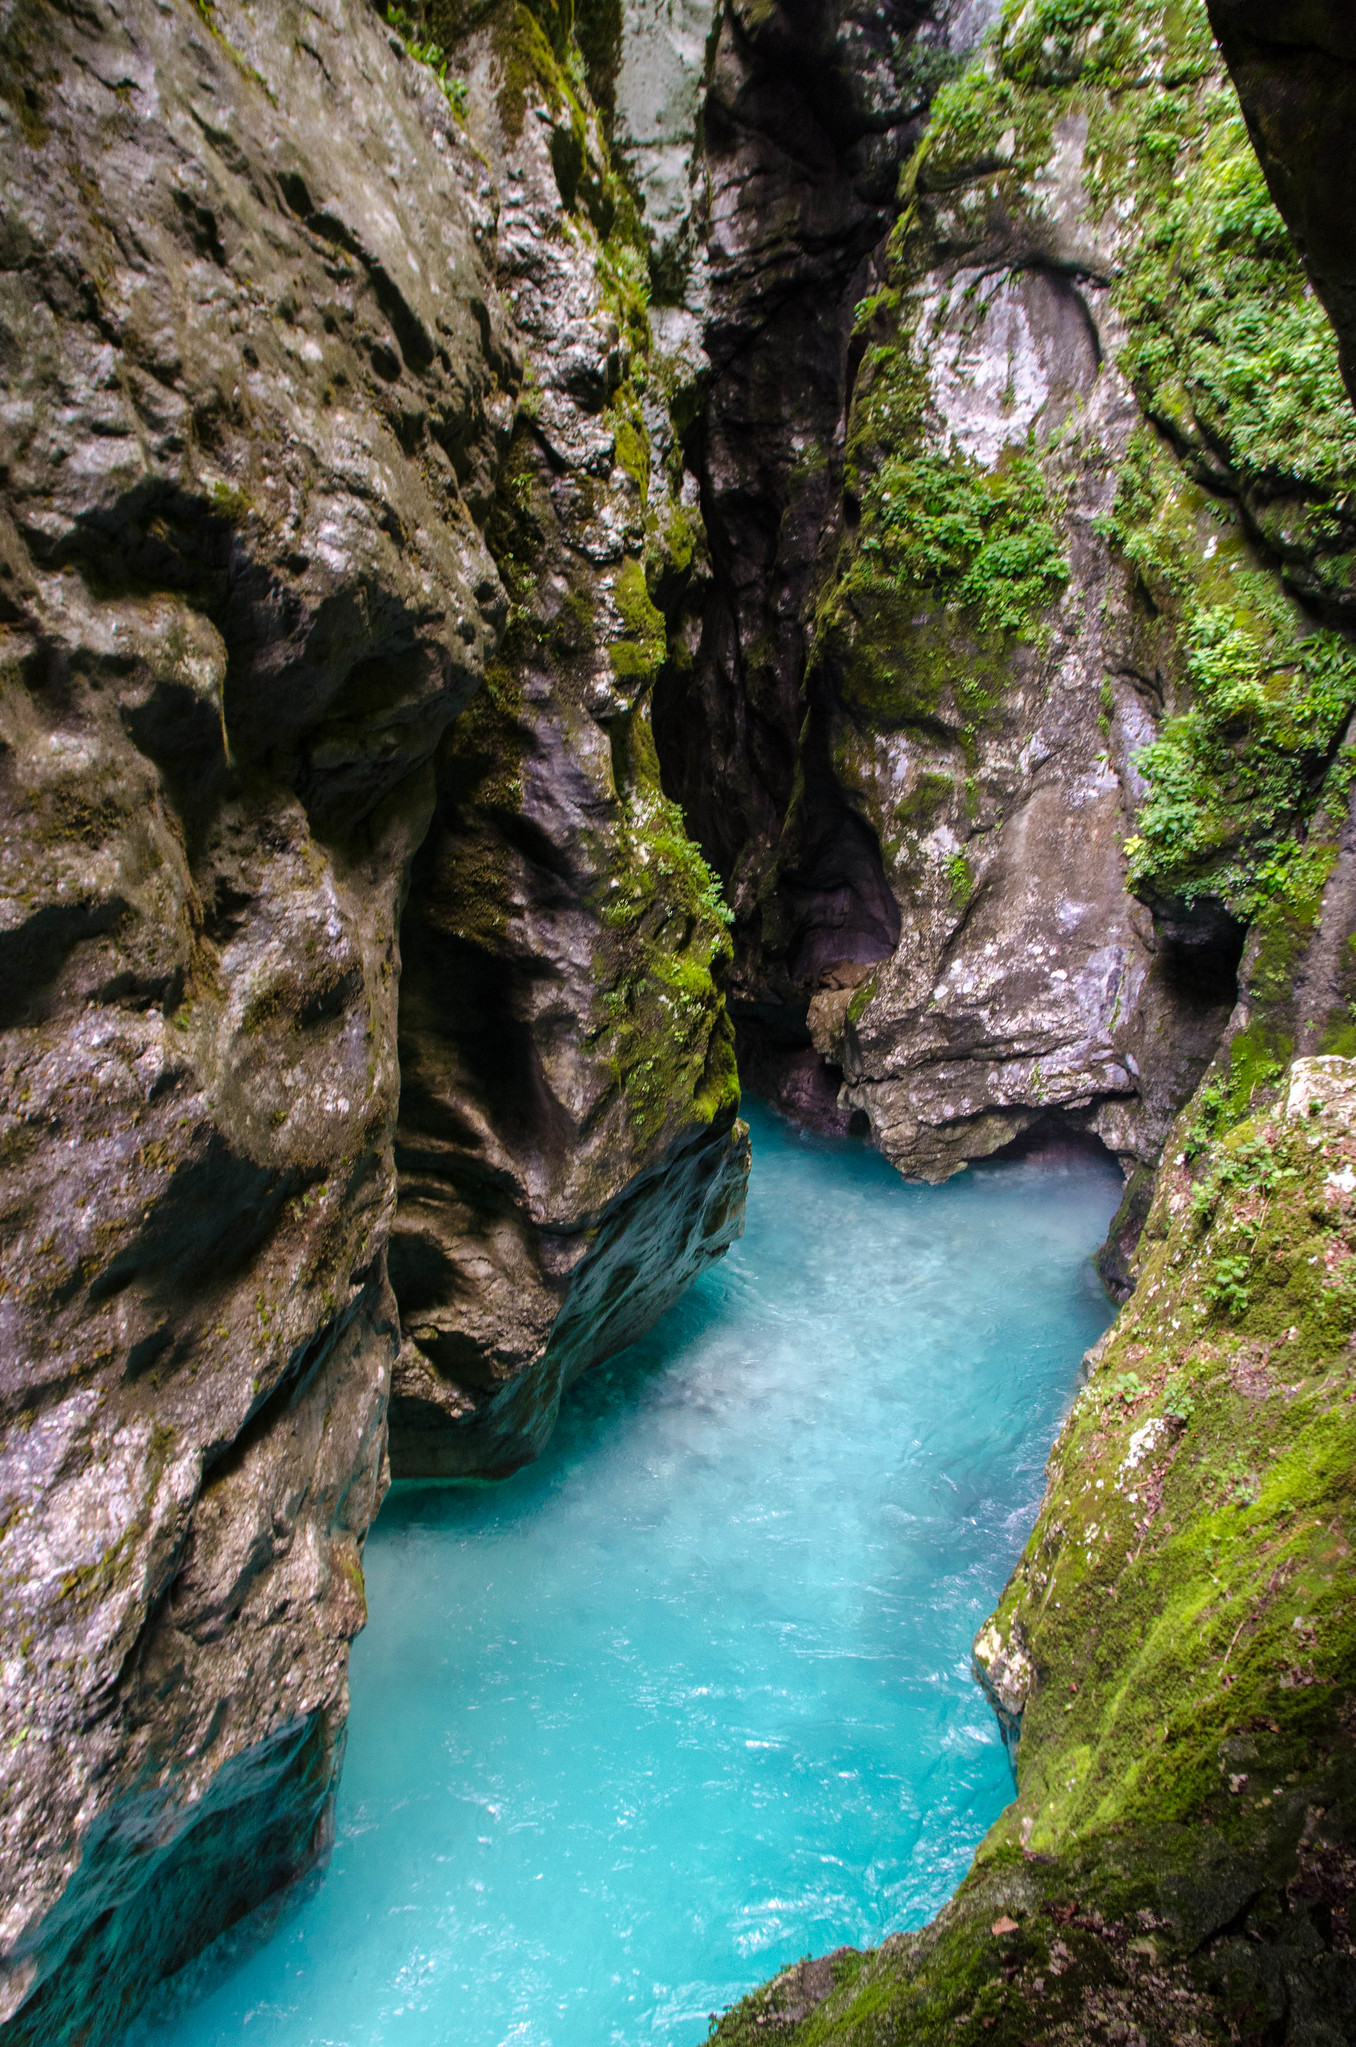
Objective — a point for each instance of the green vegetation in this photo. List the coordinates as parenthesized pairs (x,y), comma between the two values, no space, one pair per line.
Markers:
(1227,341)
(1182,1629)
(427,52)
(662,1016)
(1265,695)
(961,876)
(1233,362)
(637,658)
(981,539)
(952,564)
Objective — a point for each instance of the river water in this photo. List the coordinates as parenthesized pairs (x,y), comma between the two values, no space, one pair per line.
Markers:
(690,1697)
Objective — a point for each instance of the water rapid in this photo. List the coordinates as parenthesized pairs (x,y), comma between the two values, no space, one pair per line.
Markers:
(690,1697)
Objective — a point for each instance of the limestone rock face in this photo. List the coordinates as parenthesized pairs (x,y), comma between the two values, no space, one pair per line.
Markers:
(661,79)
(808,114)
(264,310)
(568,1151)
(996,766)
(985,469)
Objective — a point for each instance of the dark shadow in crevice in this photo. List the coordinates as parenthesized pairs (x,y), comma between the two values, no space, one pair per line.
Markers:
(1202,970)
(779,1064)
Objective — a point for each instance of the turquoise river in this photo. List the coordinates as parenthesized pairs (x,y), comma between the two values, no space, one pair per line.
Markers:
(691,1697)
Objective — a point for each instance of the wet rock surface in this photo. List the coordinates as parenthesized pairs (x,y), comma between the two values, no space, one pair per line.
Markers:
(807,118)
(262,371)
(568,1149)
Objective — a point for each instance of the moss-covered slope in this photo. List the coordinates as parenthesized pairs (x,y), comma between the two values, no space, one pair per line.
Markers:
(1177,1648)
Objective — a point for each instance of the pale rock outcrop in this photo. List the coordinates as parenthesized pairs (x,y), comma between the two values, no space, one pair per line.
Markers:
(1027,982)
(660,83)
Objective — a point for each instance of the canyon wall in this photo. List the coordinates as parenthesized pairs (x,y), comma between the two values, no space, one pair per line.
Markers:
(567,1147)
(341,534)
(1171,1661)
(451,454)
(980,489)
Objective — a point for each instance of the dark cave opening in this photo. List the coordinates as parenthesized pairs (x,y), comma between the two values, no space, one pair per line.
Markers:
(1055,1135)
(1200,951)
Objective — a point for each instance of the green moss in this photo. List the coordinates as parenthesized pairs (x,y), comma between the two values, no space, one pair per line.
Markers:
(1230,357)
(918,809)
(982,539)
(1222,319)
(952,564)
(230,503)
(1184,1616)
(1265,694)
(1053,42)
(862,997)
(624,275)
(631,449)
(528,65)
(1230,354)
(661,1012)
(637,658)
(961,876)
(1289,888)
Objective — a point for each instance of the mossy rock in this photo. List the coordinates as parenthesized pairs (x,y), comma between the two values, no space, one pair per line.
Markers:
(1177,1646)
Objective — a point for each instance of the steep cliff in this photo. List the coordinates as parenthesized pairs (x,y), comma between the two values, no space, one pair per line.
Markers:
(567,1145)
(808,115)
(302,336)
(1071,452)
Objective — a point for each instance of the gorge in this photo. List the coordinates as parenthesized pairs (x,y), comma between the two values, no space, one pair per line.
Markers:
(554,559)
(691,1694)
